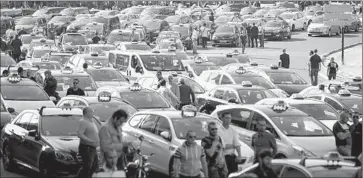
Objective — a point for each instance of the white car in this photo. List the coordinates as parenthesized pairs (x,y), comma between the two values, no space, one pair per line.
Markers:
(296,20)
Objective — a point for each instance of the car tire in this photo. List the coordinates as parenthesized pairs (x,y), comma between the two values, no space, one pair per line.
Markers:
(356,28)
(8,163)
(329,33)
(304,26)
(293,27)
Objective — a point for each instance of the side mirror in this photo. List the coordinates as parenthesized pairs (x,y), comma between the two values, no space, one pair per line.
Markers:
(166,135)
(141,138)
(11,110)
(53,98)
(32,133)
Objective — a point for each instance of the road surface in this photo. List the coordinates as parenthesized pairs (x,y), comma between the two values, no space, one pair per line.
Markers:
(298,47)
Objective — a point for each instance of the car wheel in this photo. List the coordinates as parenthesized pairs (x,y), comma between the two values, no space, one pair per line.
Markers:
(304,26)
(356,28)
(329,33)
(293,27)
(8,163)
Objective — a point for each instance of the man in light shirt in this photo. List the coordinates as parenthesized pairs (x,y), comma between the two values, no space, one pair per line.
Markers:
(109,169)
(230,143)
(205,33)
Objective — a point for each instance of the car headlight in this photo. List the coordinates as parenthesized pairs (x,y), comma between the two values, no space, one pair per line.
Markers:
(63,156)
(302,152)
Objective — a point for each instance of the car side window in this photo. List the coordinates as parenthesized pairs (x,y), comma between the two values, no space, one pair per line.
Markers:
(135,121)
(214,78)
(39,79)
(334,104)
(240,117)
(204,76)
(148,82)
(149,123)
(226,80)
(61,103)
(291,172)
(218,93)
(162,125)
(253,126)
(230,94)
(24,120)
(33,124)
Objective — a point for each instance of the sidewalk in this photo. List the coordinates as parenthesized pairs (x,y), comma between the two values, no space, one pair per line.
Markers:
(352,62)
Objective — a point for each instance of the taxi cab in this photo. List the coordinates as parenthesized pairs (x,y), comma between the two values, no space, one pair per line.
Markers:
(185,31)
(39,42)
(92,28)
(294,130)
(139,97)
(133,46)
(43,140)
(65,79)
(229,58)
(61,57)
(39,51)
(48,65)
(103,105)
(26,65)
(26,39)
(170,45)
(344,101)
(319,110)
(6,61)
(245,93)
(7,114)
(98,48)
(198,65)
(71,41)
(107,76)
(123,35)
(226,35)
(77,61)
(332,165)
(167,34)
(22,93)
(165,131)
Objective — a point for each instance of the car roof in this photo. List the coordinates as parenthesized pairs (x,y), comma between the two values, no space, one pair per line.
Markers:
(58,73)
(248,73)
(23,81)
(294,101)
(279,70)
(93,99)
(207,63)
(174,114)
(121,89)
(241,87)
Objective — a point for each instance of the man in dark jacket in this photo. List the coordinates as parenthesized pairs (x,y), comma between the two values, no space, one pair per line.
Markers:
(96,39)
(3,45)
(264,169)
(16,45)
(248,28)
(75,90)
(22,32)
(356,132)
(284,60)
(50,84)
(254,35)
(186,93)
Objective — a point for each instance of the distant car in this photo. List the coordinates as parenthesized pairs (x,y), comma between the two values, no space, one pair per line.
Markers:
(321,27)
(296,20)
(179,19)
(28,23)
(74,11)
(277,29)
(125,35)
(226,35)
(60,23)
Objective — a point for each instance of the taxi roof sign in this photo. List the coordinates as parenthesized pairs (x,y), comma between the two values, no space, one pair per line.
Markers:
(297,96)
(104,96)
(241,70)
(189,111)
(97,65)
(135,87)
(246,84)
(357,79)
(254,64)
(14,78)
(280,106)
(333,156)
(66,106)
(67,70)
(344,92)
(274,67)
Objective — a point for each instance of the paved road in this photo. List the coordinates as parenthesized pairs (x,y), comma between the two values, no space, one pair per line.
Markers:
(298,48)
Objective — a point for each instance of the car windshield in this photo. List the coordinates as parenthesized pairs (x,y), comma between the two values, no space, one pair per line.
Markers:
(125,36)
(40,53)
(224,29)
(300,126)
(100,49)
(353,103)
(27,39)
(40,12)
(198,69)
(62,125)
(14,92)
(59,19)
(48,65)
(318,111)
(145,100)
(85,83)
(261,12)
(151,25)
(150,11)
(287,16)
(67,12)
(253,96)
(163,62)
(255,80)
(62,59)
(172,19)
(97,28)
(92,60)
(38,43)
(74,39)
(165,44)
(184,31)
(198,124)
(106,75)
(139,47)
(27,21)
(7,60)
(344,171)
(273,24)
(104,110)
(285,78)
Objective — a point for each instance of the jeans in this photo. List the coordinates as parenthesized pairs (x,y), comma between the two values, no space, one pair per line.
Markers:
(231,163)
(89,161)
(261,38)
(314,76)
(216,172)
(332,76)
(204,41)
(254,41)
(344,150)
(195,45)
(249,40)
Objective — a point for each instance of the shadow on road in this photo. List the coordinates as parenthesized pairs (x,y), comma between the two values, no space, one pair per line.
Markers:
(290,40)
(298,32)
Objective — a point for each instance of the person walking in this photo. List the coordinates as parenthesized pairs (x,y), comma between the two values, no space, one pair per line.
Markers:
(110,135)
(254,35)
(174,87)
(332,69)
(205,34)
(159,77)
(243,36)
(75,90)
(356,132)
(213,147)
(21,72)
(263,140)
(16,45)
(284,60)
(249,35)
(264,168)
(186,93)
(314,67)
(343,138)
(230,143)
(168,94)
(195,36)
(50,83)
(189,159)
(261,36)
(89,141)
(96,39)
(109,168)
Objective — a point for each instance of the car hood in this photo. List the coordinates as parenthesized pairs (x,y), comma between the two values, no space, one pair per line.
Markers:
(158,109)
(317,25)
(18,27)
(291,89)
(223,34)
(64,144)
(319,146)
(112,83)
(19,106)
(269,29)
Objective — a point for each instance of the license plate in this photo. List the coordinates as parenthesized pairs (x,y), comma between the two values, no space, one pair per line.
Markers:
(268,34)
(223,41)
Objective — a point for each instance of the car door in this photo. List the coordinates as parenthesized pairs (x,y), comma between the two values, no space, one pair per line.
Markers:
(146,129)
(240,119)
(33,145)
(290,171)
(162,147)
(301,19)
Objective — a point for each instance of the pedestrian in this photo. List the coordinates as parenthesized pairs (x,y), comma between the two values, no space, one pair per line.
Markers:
(168,94)
(5,73)
(159,77)
(311,53)
(213,147)
(254,35)
(51,31)
(3,45)
(284,60)
(332,69)
(187,95)
(75,90)
(314,67)
(174,87)
(96,39)
(88,142)
(189,159)
(110,135)
(109,168)
(261,35)
(16,46)
(343,139)
(249,34)
(264,168)
(29,75)
(262,139)
(322,87)
(243,37)
(230,143)
(356,132)
(207,108)
(22,32)
(205,34)
(211,17)
(195,36)
(50,83)
(21,72)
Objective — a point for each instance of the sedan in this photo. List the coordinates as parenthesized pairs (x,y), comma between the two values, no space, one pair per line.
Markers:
(277,29)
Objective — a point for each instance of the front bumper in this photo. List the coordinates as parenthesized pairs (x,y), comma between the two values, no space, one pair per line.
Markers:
(64,168)
(317,33)
(270,35)
(224,42)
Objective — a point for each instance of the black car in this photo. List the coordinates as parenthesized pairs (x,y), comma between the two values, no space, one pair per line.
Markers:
(277,29)
(154,27)
(45,141)
(61,23)
(226,35)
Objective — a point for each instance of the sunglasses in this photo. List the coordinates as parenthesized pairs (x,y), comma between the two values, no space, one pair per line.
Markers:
(75,83)
(192,137)
(213,129)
